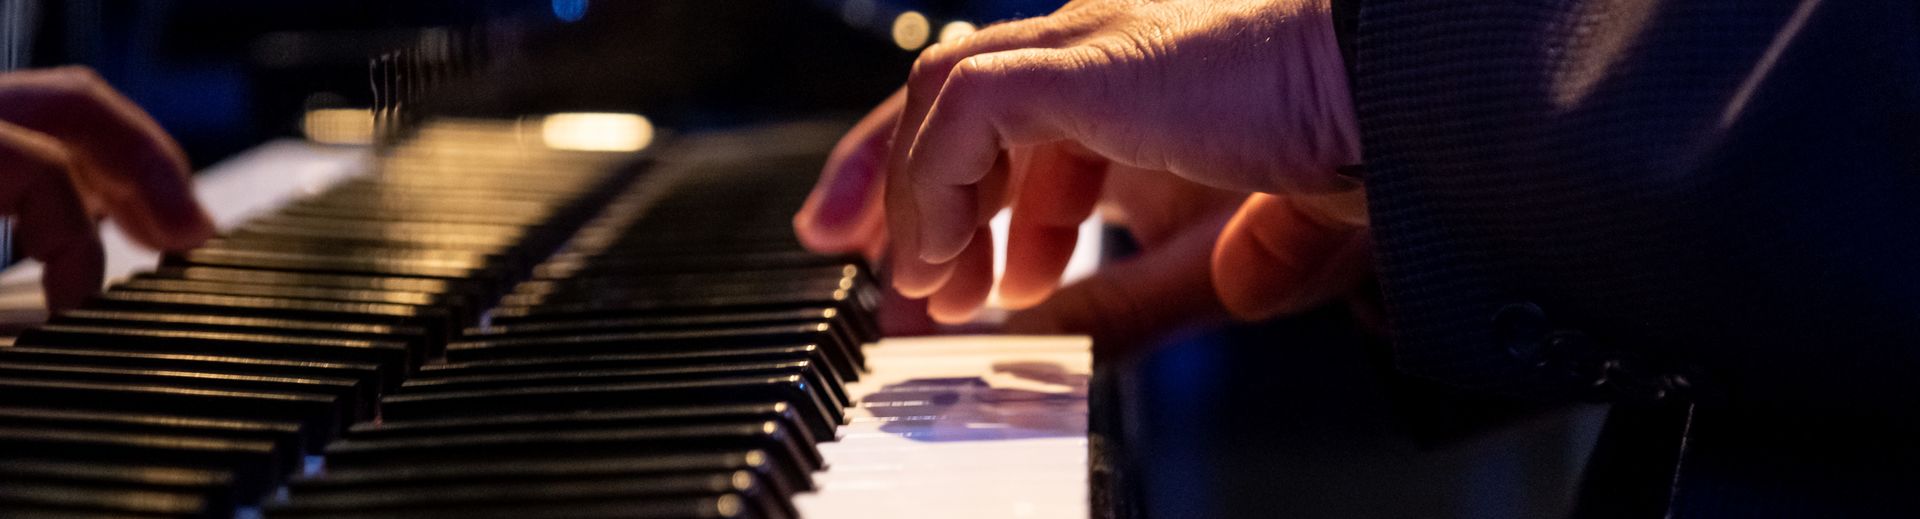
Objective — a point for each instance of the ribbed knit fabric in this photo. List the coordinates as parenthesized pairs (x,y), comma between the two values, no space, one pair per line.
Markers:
(1727,185)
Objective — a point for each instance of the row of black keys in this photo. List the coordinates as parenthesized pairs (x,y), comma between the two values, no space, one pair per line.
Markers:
(711,365)
(197,389)
(659,368)
(131,378)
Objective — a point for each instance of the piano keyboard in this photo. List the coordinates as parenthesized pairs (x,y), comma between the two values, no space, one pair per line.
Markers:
(490,328)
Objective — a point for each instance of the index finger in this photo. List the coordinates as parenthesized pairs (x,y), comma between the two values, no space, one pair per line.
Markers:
(118,153)
(990,102)
(912,275)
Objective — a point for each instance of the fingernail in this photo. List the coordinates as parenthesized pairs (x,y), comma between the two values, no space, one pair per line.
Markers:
(917,279)
(940,250)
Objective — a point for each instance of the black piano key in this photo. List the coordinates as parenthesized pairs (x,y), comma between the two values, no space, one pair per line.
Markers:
(250,461)
(653,322)
(282,291)
(409,266)
(842,328)
(847,276)
(164,433)
(429,202)
(317,257)
(684,356)
(839,325)
(403,193)
(285,435)
(845,358)
(436,322)
(827,389)
(366,373)
(463,288)
(318,415)
(498,238)
(427,304)
(785,449)
(313,211)
(638,300)
(358,399)
(415,337)
(612,293)
(217,486)
(767,411)
(274,238)
(391,252)
(793,389)
(568,265)
(742,483)
(392,357)
(842,300)
(720,506)
(47,500)
(347,480)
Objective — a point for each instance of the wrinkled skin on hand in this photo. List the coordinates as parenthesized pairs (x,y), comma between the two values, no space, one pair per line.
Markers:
(1173,113)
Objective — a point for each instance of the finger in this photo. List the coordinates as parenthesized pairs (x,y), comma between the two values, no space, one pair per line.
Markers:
(844,210)
(1133,302)
(53,224)
(118,154)
(1155,205)
(990,101)
(1285,254)
(971,282)
(911,275)
(961,297)
(1059,189)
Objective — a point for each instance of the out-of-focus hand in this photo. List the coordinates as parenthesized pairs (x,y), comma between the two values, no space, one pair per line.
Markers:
(71,148)
(1037,114)
(1164,286)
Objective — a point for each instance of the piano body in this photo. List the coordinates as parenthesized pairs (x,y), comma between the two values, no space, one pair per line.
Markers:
(519,314)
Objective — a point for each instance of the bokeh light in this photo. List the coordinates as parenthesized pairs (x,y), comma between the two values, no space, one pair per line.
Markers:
(911,30)
(570,10)
(956,30)
(596,132)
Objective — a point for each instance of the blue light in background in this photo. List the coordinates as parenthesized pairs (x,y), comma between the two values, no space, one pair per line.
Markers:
(570,10)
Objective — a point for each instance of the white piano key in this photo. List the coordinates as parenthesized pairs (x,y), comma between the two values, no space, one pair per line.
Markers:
(973,458)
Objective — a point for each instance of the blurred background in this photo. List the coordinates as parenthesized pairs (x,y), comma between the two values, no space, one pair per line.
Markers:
(1299,417)
(222,75)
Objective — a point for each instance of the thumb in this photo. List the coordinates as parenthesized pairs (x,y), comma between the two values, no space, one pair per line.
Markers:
(1289,253)
(1126,305)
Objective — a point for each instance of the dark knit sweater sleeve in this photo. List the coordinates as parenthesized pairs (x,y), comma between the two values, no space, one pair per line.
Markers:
(1716,193)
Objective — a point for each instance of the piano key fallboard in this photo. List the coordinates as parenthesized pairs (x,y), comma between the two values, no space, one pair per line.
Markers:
(486,327)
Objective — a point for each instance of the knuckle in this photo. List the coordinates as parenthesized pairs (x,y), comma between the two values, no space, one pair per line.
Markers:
(972,70)
(81,83)
(972,74)
(933,63)
(80,75)
(40,155)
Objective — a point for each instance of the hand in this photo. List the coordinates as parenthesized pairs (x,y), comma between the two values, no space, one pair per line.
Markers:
(1246,96)
(1164,286)
(71,147)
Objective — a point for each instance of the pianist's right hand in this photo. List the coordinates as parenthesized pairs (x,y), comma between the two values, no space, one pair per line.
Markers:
(71,148)
(1248,95)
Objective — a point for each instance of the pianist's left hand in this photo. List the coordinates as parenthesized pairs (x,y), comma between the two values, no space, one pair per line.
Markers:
(70,148)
